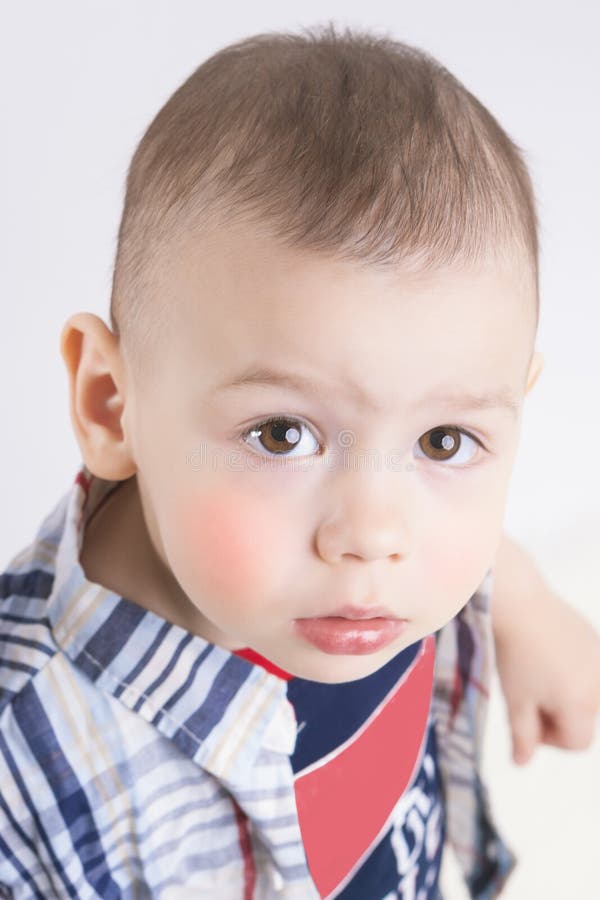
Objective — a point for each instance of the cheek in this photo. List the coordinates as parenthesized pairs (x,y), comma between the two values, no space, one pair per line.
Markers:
(230,546)
(455,569)
(460,566)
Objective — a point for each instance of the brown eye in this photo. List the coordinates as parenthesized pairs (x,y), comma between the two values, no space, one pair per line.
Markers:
(445,443)
(279,436)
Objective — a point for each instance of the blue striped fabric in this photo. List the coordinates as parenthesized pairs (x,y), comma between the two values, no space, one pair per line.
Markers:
(137,760)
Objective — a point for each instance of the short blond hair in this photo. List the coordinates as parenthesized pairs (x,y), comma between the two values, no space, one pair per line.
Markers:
(344,143)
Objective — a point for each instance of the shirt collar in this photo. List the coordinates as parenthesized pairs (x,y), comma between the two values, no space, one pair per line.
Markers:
(217,707)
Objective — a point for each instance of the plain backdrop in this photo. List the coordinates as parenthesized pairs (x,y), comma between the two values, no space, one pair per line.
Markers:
(79,83)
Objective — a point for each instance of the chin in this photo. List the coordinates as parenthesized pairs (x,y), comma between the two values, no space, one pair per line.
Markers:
(341,668)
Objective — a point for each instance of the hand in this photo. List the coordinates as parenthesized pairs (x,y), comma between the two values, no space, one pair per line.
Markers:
(548,660)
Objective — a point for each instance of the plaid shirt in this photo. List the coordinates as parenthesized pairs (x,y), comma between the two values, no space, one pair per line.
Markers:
(137,760)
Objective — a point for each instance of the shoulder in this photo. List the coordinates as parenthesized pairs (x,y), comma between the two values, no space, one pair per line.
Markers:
(26,641)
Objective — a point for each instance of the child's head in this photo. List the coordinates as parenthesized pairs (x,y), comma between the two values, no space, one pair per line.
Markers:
(336,210)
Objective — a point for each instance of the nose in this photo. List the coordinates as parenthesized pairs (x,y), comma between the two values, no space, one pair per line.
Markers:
(368,522)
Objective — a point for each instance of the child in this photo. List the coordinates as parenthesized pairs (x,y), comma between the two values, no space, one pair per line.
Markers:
(248,653)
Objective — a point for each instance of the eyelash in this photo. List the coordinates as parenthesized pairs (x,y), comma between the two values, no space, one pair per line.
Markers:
(292,420)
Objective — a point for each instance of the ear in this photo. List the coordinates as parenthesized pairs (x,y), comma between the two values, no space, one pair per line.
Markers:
(97,395)
(535,367)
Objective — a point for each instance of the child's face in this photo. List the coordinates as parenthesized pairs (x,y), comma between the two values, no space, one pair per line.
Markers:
(393,513)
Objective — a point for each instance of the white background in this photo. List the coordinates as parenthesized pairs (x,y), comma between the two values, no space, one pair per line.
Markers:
(79,83)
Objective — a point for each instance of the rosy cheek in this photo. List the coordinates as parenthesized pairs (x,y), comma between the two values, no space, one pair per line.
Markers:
(229,543)
(460,569)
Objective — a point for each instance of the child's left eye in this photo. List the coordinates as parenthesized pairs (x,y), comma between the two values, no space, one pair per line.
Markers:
(278,434)
(449,442)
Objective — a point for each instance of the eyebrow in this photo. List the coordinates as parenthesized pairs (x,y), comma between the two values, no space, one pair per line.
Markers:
(501,398)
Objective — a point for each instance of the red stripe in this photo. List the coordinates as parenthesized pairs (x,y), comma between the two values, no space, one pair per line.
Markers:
(83,481)
(254,657)
(246,848)
(479,686)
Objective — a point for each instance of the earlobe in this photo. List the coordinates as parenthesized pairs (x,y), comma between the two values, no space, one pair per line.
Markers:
(535,368)
(97,395)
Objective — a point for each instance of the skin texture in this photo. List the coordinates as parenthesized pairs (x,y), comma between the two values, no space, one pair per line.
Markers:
(214,534)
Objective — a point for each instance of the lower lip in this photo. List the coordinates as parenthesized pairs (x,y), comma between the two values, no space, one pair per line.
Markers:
(333,634)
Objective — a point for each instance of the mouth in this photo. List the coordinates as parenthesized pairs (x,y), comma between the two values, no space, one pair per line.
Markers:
(356,635)
(357,613)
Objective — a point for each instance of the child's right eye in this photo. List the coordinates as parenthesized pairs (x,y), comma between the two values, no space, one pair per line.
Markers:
(449,439)
(277,434)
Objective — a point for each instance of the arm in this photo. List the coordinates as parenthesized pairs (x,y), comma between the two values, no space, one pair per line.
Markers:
(548,658)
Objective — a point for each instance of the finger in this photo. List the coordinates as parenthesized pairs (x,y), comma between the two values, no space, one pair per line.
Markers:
(525,729)
(569,732)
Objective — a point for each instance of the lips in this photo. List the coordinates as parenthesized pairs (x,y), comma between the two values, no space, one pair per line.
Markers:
(355,636)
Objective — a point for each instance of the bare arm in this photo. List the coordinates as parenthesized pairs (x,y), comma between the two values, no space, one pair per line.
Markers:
(548,658)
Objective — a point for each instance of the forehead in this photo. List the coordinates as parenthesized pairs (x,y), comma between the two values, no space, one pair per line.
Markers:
(242,299)
(244,258)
